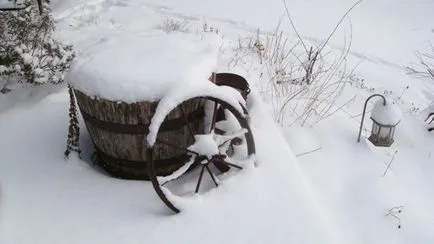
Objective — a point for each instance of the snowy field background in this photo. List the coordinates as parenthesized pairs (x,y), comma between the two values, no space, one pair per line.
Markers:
(336,194)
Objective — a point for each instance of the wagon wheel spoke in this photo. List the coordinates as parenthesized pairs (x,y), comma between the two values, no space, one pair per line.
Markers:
(176,146)
(165,183)
(200,179)
(214,117)
(223,139)
(190,130)
(211,174)
(218,131)
(230,164)
(177,173)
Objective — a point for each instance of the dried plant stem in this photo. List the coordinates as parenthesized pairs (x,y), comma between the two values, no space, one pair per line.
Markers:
(301,154)
(293,26)
(390,163)
(394,213)
(339,23)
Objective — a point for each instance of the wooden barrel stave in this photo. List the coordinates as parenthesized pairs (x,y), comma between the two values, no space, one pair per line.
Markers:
(118,131)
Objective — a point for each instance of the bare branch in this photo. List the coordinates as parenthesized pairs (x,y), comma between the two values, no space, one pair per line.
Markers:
(293,27)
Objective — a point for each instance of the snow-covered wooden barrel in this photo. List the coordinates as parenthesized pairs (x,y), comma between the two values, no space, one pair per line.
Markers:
(118,85)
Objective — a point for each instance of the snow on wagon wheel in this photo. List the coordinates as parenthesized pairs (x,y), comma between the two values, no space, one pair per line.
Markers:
(224,148)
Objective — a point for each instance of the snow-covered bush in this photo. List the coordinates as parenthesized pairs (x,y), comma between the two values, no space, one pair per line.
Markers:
(28,50)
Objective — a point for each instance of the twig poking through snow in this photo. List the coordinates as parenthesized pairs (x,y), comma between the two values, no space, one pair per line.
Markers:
(301,154)
(294,28)
(390,163)
(394,213)
(337,26)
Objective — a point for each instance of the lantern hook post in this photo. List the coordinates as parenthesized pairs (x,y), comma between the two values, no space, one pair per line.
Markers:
(364,110)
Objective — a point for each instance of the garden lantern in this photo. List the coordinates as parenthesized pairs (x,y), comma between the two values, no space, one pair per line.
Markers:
(385,117)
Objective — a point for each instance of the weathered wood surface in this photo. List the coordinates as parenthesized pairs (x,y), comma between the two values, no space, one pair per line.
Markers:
(124,154)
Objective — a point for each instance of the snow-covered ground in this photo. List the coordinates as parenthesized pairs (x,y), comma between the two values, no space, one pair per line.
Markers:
(313,184)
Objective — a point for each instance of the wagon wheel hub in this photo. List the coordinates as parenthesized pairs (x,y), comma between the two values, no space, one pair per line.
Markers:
(201,159)
(205,146)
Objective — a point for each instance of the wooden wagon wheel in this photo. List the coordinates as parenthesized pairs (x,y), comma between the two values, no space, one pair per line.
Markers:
(226,143)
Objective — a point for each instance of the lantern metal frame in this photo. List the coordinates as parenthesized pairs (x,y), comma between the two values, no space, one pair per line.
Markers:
(376,138)
(378,128)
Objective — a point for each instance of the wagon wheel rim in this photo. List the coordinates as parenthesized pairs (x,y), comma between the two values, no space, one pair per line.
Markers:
(199,159)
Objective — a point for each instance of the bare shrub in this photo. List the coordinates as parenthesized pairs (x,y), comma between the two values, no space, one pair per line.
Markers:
(424,69)
(306,77)
(425,66)
(248,53)
(210,28)
(171,25)
(306,89)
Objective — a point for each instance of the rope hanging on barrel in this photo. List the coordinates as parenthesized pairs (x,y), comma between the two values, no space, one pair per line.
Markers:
(72,143)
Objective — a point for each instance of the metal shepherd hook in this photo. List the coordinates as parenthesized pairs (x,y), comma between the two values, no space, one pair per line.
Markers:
(364,110)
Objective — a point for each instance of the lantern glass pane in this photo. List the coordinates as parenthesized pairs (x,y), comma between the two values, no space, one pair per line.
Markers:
(384,133)
(375,129)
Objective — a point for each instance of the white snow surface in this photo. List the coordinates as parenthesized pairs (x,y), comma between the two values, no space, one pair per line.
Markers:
(389,114)
(144,66)
(312,184)
(46,199)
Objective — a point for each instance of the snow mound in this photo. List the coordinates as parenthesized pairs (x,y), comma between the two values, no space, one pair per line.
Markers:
(389,114)
(143,67)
